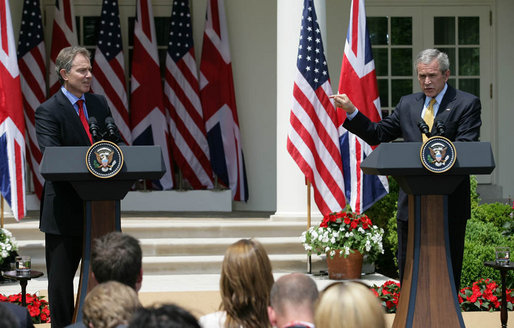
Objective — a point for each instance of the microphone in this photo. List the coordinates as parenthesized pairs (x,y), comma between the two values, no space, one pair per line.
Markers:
(94,129)
(441,129)
(423,127)
(111,129)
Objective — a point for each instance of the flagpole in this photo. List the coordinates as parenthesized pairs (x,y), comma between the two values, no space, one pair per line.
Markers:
(2,209)
(309,262)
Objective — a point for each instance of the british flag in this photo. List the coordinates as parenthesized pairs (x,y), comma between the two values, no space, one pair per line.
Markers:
(109,67)
(12,125)
(63,35)
(31,61)
(219,104)
(313,137)
(358,80)
(187,127)
(148,118)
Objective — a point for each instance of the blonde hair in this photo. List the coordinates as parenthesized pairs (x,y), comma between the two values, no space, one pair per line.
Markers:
(348,305)
(245,284)
(109,304)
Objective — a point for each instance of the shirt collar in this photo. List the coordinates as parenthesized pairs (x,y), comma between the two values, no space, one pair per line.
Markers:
(71,97)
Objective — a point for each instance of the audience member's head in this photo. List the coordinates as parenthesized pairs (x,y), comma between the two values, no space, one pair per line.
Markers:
(348,305)
(245,284)
(164,316)
(292,299)
(117,256)
(7,318)
(109,304)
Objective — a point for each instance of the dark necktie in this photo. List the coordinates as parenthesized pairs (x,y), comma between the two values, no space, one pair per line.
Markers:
(82,117)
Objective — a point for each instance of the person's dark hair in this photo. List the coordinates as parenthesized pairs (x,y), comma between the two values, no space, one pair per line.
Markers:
(429,55)
(295,289)
(65,58)
(7,318)
(116,256)
(164,316)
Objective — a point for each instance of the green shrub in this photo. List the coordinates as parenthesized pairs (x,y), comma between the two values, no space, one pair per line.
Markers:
(481,239)
(496,213)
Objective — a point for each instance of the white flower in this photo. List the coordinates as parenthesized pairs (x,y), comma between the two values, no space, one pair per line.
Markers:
(327,249)
(332,253)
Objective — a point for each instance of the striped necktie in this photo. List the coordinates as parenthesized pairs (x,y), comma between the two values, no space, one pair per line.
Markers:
(82,117)
(429,117)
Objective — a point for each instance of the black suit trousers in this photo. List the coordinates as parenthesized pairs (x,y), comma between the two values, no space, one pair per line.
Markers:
(63,254)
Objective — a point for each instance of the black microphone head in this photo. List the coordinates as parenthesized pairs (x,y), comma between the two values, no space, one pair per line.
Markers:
(109,120)
(92,120)
(423,127)
(441,128)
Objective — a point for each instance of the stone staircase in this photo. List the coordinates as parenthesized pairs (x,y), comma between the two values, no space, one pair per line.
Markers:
(190,243)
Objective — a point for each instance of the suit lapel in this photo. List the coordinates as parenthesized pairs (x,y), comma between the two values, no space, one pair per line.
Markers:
(446,106)
(70,115)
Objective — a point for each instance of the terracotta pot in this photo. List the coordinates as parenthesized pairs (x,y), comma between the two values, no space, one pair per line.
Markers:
(341,268)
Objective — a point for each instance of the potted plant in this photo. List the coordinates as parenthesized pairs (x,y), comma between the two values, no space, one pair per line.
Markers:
(345,237)
(8,249)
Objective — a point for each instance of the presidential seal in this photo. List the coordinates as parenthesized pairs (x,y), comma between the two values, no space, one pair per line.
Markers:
(104,159)
(438,154)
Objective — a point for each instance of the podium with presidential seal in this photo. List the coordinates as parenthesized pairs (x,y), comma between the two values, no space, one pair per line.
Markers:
(102,175)
(428,173)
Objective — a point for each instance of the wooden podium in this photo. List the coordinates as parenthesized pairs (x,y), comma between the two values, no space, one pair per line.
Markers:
(101,196)
(428,295)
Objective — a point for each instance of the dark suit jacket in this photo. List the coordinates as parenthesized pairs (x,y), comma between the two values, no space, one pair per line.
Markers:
(460,113)
(21,313)
(57,124)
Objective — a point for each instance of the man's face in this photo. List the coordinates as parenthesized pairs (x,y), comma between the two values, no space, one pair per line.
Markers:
(431,80)
(78,80)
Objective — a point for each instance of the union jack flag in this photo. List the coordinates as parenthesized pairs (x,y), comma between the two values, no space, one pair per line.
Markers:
(12,125)
(187,127)
(313,137)
(109,67)
(358,80)
(148,118)
(219,104)
(63,35)
(31,61)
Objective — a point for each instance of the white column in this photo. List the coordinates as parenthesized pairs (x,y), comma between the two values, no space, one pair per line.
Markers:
(291,188)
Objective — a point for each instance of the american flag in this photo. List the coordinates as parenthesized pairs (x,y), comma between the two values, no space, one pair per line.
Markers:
(187,127)
(148,117)
(109,67)
(313,137)
(63,35)
(12,125)
(358,80)
(31,61)
(219,104)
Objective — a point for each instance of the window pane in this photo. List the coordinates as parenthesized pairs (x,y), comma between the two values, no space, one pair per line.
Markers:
(452,82)
(377,28)
(401,62)
(162,30)
(381,60)
(469,61)
(451,56)
(470,85)
(89,32)
(444,30)
(400,88)
(469,30)
(401,30)
(382,92)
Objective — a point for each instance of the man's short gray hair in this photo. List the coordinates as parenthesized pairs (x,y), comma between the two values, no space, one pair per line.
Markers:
(65,59)
(429,55)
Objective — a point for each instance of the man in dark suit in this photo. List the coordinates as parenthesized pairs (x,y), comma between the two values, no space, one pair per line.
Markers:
(457,110)
(62,121)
